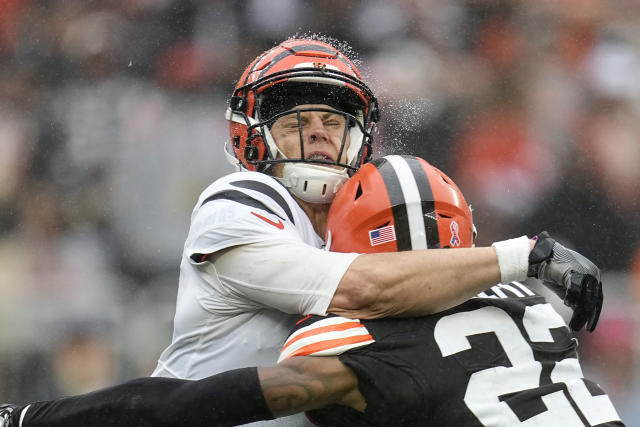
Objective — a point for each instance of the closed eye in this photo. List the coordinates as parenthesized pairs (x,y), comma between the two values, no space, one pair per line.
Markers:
(332,122)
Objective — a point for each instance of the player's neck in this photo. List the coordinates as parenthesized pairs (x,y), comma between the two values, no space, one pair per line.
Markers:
(317,213)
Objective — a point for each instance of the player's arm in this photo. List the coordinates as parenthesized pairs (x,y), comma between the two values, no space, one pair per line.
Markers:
(303,383)
(421,282)
(424,282)
(414,282)
(231,398)
(274,268)
(226,399)
(293,277)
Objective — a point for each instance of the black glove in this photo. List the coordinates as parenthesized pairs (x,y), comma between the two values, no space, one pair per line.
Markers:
(571,276)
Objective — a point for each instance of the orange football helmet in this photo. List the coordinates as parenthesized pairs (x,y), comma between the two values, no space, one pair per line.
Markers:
(296,72)
(399,203)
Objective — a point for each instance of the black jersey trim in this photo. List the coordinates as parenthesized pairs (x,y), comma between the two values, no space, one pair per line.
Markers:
(239,197)
(428,203)
(398,204)
(267,191)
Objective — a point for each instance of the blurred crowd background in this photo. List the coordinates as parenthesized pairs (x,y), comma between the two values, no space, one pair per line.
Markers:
(112,122)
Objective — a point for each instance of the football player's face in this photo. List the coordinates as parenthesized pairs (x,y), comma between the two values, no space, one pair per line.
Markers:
(322,134)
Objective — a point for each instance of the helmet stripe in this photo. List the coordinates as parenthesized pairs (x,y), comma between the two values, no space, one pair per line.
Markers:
(328,49)
(286,53)
(254,65)
(297,48)
(273,62)
(396,198)
(427,198)
(412,199)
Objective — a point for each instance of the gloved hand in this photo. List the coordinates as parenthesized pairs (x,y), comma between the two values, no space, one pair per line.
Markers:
(571,276)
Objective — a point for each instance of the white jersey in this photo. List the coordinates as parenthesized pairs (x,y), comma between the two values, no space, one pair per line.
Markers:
(252,263)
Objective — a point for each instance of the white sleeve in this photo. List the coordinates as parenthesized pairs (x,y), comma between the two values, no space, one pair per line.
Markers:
(223,224)
(284,274)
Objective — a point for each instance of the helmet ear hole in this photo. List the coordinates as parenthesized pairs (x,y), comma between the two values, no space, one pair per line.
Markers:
(446,179)
(251,153)
(238,104)
(382,225)
(358,191)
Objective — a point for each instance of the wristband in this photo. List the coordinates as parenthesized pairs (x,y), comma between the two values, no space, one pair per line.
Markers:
(513,258)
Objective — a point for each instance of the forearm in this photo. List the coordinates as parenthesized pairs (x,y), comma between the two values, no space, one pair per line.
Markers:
(227,399)
(303,383)
(415,282)
(231,398)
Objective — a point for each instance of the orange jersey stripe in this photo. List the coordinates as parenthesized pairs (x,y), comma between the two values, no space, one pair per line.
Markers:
(322,329)
(329,344)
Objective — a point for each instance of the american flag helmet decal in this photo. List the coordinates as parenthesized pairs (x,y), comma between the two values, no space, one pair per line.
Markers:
(382,235)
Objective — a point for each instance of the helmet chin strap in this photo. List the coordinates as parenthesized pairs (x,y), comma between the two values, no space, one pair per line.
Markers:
(313,183)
